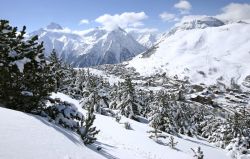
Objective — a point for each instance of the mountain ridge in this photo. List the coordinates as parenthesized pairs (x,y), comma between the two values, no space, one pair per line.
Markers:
(92,47)
(197,54)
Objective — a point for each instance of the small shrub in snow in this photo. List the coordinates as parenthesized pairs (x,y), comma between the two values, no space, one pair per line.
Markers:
(127,125)
(198,154)
(156,135)
(117,118)
(99,148)
(172,143)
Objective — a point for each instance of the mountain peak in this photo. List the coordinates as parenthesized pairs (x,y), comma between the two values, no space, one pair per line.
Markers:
(116,29)
(119,29)
(201,21)
(53,25)
(197,23)
(208,22)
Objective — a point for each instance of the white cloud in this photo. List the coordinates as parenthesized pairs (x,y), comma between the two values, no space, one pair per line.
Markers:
(67,30)
(124,20)
(184,6)
(137,24)
(235,12)
(84,21)
(165,16)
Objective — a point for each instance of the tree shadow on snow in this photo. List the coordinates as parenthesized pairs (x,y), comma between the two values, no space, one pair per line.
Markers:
(67,133)
(197,142)
(177,149)
(143,120)
(103,144)
(166,144)
(160,142)
(103,150)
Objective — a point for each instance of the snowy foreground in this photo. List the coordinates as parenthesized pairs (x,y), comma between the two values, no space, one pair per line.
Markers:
(25,136)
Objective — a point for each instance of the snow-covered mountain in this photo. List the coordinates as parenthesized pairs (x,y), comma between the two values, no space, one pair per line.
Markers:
(112,47)
(88,48)
(200,23)
(147,39)
(67,44)
(204,50)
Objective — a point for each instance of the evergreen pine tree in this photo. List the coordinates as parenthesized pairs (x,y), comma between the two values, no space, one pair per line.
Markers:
(88,132)
(147,107)
(161,117)
(129,106)
(56,69)
(25,79)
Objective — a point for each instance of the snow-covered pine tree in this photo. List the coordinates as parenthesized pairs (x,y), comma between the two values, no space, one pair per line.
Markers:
(88,132)
(77,86)
(25,79)
(114,98)
(160,116)
(146,99)
(68,81)
(237,127)
(239,147)
(64,114)
(104,102)
(92,89)
(186,117)
(217,131)
(55,64)
(68,116)
(129,105)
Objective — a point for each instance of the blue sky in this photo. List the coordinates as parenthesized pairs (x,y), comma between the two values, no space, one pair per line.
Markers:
(68,13)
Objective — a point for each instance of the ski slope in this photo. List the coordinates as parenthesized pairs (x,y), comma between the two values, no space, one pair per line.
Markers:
(25,136)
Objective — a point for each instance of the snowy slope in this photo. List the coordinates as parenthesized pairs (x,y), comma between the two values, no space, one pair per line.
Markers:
(89,47)
(117,142)
(204,51)
(27,136)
